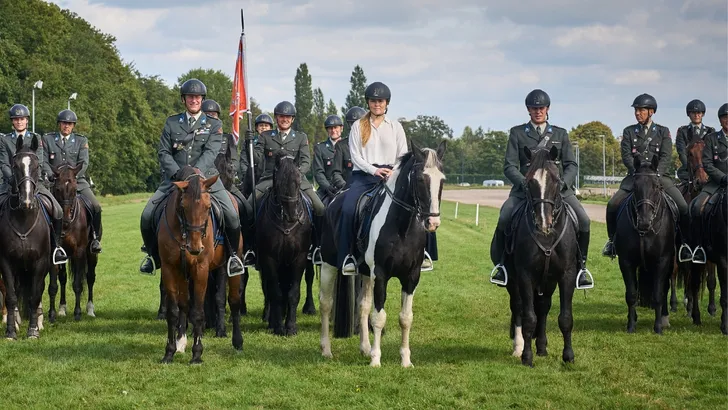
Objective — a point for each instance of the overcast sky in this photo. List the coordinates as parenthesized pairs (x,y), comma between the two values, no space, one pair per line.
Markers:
(471,62)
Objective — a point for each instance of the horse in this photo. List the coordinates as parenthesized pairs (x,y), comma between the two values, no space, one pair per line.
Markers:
(694,275)
(715,217)
(646,245)
(25,240)
(405,208)
(188,251)
(283,237)
(75,236)
(543,230)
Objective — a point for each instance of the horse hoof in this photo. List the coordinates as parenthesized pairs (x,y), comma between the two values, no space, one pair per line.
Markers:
(161,315)
(541,353)
(673,308)
(665,321)
(62,310)
(196,360)
(711,311)
(33,333)
(568,356)
(220,333)
(52,317)
(167,359)
(309,310)
(279,331)
(291,331)
(77,317)
(238,344)
(327,354)
(90,310)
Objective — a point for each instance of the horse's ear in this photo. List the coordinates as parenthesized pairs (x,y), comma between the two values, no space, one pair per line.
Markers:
(210,181)
(34,144)
(441,149)
(18,145)
(77,168)
(554,153)
(182,185)
(655,162)
(228,153)
(527,152)
(413,146)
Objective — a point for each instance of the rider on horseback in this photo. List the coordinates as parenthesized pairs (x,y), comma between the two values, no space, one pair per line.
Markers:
(538,133)
(375,142)
(341,172)
(715,163)
(19,115)
(646,139)
(323,158)
(687,134)
(190,138)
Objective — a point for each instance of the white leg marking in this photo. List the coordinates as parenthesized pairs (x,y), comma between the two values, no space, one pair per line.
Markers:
(405,323)
(666,321)
(40,316)
(181,343)
(5,318)
(365,306)
(62,310)
(518,342)
(90,309)
(326,302)
(379,319)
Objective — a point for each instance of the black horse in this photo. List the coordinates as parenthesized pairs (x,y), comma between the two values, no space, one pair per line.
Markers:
(645,244)
(283,238)
(544,234)
(406,207)
(25,240)
(715,220)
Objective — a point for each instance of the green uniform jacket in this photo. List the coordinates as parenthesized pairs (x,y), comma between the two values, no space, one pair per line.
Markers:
(296,145)
(715,160)
(516,164)
(7,151)
(323,163)
(656,142)
(75,151)
(245,162)
(686,135)
(342,164)
(196,146)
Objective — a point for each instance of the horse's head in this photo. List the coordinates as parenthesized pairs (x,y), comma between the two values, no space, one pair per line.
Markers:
(426,179)
(543,187)
(193,210)
(225,167)
(695,164)
(647,192)
(64,187)
(26,171)
(286,185)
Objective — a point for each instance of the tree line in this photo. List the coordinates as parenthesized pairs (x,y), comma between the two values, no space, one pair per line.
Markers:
(122,111)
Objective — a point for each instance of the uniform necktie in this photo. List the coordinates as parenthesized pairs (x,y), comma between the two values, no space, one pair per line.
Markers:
(283,136)
(538,130)
(191,121)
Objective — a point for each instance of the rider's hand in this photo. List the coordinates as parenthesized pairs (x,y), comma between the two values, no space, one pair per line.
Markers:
(249,135)
(383,173)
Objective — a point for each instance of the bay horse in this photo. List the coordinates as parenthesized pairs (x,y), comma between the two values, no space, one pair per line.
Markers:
(646,245)
(406,208)
(25,241)
(694,274)
(715,218)
(188,252)
(75,237)
(283,238)
(544,232)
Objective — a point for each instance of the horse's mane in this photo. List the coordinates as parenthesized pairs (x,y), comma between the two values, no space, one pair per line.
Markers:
(194,187)
(288,169)
(541,160)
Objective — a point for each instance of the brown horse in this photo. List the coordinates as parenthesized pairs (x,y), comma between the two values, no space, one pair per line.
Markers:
(694,275)
(76,239)
(188,252)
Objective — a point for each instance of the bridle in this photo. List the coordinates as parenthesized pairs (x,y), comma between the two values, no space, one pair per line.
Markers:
(26,178)
(652,204)
(416,208)
(281,214)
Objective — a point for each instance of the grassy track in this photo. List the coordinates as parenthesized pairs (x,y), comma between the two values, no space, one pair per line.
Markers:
(460,346)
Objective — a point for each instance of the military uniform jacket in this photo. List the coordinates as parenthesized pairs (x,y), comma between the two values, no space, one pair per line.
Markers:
(636,144)
(323,163)
(686,135)
(715,160)
(196,146)
(295,145)
(516,164)
(7,151)
(343,166)
(229,141)
(74,152)
(245,161)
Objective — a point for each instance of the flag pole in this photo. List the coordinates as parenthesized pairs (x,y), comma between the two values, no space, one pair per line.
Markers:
(248,114)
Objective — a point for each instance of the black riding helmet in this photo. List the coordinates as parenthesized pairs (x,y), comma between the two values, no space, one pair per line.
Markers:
(67,116)
(211,106)
(354,113)
(284,108)
(377,90)
(19,111)
(264,119)
(645,101)
(723,110)
(193,86)
(538,98)
(333,121)
(695,106)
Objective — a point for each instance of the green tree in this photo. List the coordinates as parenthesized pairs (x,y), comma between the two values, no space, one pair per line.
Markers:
(596,148)
(319,115)
(304,103)
(426,131)
(355,98)
(331,109)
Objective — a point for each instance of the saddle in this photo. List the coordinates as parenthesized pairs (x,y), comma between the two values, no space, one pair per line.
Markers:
(218,222)
(364,214)
(708,209)
(520,210)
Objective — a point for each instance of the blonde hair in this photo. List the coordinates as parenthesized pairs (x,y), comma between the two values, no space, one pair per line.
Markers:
(365,128)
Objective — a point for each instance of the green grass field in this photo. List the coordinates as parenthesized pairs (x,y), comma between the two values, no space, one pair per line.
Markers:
(460,346)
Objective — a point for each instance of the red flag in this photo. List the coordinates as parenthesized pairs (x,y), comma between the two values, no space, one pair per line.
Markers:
(239,100)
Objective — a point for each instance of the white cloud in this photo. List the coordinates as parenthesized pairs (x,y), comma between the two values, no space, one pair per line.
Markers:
(637,77)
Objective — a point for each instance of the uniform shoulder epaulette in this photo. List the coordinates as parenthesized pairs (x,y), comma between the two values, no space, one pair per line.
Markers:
(49,134)
(556,127)
(82,136)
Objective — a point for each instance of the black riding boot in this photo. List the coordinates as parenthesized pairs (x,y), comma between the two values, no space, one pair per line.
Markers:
(584,278)
(59,255)
(685,252)
(234,264)
(611,227)
(96,238)
(696,235)
(315,254)
(151,261)
(499,276)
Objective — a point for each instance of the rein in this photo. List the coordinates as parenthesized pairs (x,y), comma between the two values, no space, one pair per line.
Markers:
(415,210)
(275,199)
(656,209)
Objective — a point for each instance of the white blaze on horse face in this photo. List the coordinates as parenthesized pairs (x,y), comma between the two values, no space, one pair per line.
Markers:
(540,177)
(436,177)
(28,187)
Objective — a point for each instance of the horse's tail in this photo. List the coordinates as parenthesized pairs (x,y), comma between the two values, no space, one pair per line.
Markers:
(344,306)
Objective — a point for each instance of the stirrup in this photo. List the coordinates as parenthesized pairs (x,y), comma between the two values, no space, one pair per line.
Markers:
(612,254)
(702,259)
(582,272)
(316,256)
(154,266)
(57,261)
(680,251)
(230,261)
(429,266)
(249,258)
(347,260)
(494,271)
